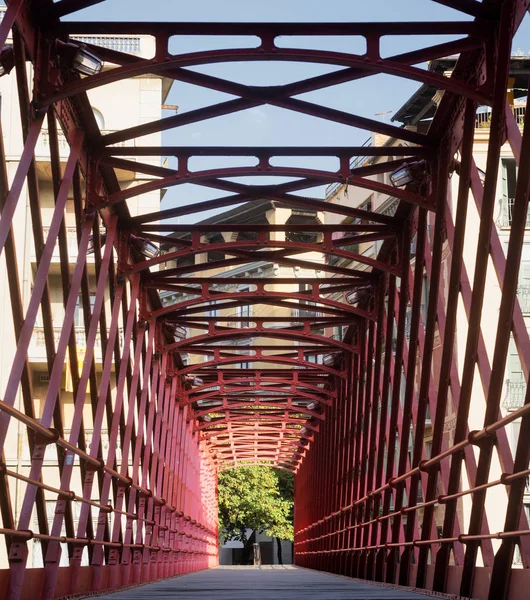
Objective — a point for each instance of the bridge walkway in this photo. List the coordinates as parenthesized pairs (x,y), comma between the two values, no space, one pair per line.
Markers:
(273,582)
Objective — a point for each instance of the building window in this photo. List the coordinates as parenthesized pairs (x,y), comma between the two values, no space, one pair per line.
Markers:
(212,312)
(523,287)
(244,310)
(368,204)
(509,178)
(79,320)
(425,300)
(215,255)
(515,383)
(509,172)
(306,312)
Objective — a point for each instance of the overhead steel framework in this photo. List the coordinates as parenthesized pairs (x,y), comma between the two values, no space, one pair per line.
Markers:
(351,426)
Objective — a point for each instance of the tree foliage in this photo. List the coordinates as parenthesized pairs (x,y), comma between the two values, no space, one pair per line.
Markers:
(258,498)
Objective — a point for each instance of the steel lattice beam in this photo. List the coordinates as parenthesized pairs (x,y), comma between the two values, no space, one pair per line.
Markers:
(363,421)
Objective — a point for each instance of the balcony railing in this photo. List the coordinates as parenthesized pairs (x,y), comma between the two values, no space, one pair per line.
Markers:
(71,241)
(515,394)
(482,121)
(130,44)
(43,145)
(523,295)
(506,213)
(483,118)
(302,312)
(355,163)
(408,325)
(37,348)
(105,443)
(120,43)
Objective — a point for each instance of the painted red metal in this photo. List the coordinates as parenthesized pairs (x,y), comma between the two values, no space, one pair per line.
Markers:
(361,420)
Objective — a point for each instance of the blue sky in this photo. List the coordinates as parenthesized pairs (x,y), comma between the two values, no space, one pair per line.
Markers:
(268,125)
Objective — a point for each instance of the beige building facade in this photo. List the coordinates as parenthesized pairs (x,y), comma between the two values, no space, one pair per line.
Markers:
(415,115)
(144,97)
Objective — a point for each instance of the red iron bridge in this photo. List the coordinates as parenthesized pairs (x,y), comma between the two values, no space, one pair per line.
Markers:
(378,378)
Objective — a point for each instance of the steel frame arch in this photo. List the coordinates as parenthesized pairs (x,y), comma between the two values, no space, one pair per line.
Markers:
(336,529)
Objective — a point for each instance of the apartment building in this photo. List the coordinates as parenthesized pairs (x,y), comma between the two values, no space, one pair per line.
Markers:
(416,115)
(116,106)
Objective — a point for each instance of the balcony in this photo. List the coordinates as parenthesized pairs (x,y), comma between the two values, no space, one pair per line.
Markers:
(105,444)
(37,347)
(523,295)
(408,320)
(121,43)
(515,394)
(483,118)
(42,149)
(300,313)
(71,240)
(355,163)
(504,220)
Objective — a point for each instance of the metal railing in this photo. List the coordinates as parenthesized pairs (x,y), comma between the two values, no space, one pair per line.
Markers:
(37,348)
(355,162)
(408,323)
(523,295)
(506,213)
(71,242)
(120,43)
(515,394)
(483,118)
(301,312)
(43,145)
(105,442)
(130,44)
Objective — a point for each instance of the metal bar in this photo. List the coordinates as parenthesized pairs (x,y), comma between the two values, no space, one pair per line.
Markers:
(477,300)
(24,165)
(38,289)
(504,557)
(409,373)
(263,151)
(67,7)
(8,19)
(19,550)
(17,309)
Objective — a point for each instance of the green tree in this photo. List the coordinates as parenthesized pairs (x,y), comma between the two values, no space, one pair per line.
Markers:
(257,498)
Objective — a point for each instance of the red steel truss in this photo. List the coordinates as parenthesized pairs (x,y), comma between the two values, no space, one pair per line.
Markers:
(348,416)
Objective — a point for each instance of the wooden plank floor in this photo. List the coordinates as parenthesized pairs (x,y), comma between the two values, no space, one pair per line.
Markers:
(261,583)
